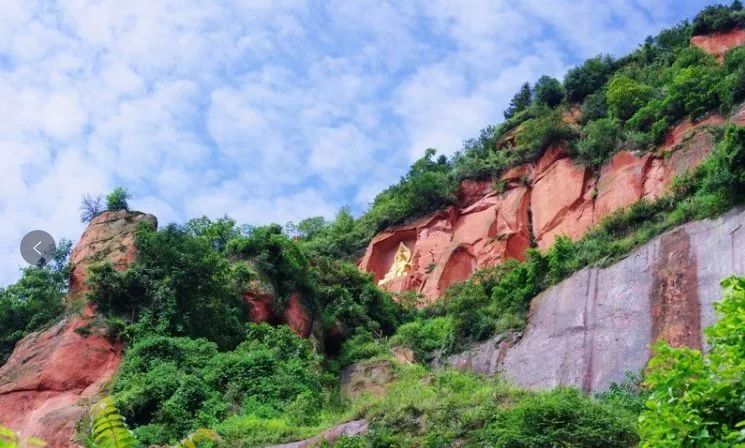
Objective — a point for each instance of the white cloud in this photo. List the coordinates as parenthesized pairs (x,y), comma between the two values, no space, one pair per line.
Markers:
(266,111)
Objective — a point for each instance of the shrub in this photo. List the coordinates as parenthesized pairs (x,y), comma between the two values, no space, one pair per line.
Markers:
(426,336)
(599,141)
(562,417)
(548,91)
(538,133)
(625,96)
(117,199)
(588,78)
(696,399)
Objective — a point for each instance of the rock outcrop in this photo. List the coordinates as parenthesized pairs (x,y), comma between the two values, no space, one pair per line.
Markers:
(536,203)
(109,237)
(598,324)
(51,376)
(718,44)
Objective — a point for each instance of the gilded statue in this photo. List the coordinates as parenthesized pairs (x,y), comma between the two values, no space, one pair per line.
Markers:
(401,264)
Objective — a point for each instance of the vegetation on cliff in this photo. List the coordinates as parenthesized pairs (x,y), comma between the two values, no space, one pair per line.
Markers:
(194,359)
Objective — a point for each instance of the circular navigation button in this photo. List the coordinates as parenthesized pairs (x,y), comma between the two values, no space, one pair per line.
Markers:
(38,248)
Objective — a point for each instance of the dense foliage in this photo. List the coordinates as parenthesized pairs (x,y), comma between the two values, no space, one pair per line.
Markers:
(719,18)
(697,398)
(168,387)
(34,301)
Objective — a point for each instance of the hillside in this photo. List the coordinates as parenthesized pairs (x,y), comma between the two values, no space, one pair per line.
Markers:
(551,284)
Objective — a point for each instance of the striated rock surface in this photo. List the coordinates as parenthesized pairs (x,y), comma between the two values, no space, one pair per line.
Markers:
(598,324)
(46,384)
(353,428)
(718,44)
(536,203)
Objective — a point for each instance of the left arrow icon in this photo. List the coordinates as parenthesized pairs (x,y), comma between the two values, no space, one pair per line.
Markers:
(35,248)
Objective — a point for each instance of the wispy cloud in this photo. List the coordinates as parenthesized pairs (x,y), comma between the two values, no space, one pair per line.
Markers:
(265,111)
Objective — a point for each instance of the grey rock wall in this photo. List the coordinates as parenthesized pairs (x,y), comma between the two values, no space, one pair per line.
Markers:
(598,324)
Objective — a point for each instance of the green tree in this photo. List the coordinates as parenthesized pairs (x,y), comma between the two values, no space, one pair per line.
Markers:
(519,102)
(117,199)
(34,301)
(625,96)
(548,91)
(588,78)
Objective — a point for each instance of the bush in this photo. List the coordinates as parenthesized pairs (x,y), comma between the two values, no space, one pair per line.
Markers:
(599,141)
(426,336)
(117,199)
(538,133)
(548,91)
(625,96)
(562,417)
(696,399)
(588,78)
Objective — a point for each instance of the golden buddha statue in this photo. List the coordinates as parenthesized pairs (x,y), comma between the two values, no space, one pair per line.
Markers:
(401,264)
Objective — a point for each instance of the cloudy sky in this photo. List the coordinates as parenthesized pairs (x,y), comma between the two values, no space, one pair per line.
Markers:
(267,111)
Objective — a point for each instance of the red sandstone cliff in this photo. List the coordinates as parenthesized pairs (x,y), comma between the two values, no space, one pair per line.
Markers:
(46,384)
(542,200)
(718,44)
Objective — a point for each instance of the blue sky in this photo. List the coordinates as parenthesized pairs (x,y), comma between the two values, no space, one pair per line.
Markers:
(267,111)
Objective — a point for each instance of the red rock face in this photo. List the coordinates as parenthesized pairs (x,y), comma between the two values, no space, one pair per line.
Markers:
(717,44)
(449,245)
(111,237)
(551,197)
(45,382)
(51,375)
(295,315)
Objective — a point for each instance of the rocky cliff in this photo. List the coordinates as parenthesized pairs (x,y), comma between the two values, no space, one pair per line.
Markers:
(536,202)
(598,324)
(46,384)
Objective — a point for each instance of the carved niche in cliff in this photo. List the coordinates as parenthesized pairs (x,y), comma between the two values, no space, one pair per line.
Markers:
(401,266)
